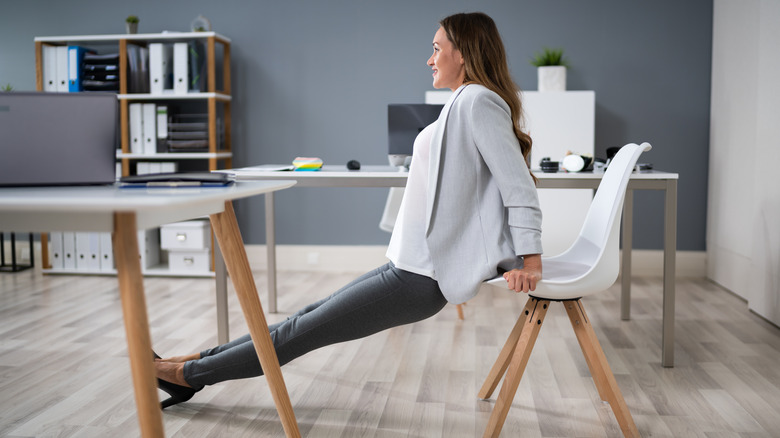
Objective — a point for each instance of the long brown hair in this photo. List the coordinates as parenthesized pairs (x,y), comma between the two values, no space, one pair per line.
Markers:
(476,36)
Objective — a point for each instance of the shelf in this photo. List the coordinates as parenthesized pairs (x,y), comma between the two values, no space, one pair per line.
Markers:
(173,96)
(216,97)
(146,37)
(175,155)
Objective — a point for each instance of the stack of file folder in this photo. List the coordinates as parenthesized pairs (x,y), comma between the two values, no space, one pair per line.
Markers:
(190,133)
(100,72)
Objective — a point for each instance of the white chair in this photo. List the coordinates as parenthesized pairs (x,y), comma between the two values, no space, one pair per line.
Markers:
(589,266)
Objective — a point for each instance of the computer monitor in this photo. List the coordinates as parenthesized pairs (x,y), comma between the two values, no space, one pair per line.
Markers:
(404,122)
(58,138)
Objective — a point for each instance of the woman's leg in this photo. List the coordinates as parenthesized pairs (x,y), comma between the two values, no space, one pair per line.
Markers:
(384,298)
(172,369)
(271,328)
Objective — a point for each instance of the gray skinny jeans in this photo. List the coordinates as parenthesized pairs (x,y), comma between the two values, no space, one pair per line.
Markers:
(383,298)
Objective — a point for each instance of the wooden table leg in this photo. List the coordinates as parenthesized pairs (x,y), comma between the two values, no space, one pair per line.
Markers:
(229,237)
(139,343)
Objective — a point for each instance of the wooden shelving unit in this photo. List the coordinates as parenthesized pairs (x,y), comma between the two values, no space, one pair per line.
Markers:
(217,96)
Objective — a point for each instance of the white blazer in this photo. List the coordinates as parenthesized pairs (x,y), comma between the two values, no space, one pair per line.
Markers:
(483,210)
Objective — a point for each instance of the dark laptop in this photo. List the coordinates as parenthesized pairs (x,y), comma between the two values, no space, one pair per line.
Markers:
(58,138)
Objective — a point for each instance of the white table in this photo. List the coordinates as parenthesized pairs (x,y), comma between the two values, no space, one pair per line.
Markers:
(388,176)
(125,211)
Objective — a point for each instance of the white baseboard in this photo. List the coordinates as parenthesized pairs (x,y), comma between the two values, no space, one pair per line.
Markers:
(360,258)
(320,258)
(646,262)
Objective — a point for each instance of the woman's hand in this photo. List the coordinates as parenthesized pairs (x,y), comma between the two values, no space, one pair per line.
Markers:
(524,280)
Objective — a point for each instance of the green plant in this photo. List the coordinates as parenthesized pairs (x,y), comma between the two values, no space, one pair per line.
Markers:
(131,19)
(549,57)
(6,88)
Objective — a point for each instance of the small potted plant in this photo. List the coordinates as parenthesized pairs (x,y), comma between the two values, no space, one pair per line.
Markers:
(7,88)
(131,22)
(551,69)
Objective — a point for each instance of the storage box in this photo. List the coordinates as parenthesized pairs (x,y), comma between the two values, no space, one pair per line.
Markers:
(189,261)
(188,235)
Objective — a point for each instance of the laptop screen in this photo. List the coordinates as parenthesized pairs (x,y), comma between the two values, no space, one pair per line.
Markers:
(58,138)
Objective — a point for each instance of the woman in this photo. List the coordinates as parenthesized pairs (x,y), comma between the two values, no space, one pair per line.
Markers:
(469,211)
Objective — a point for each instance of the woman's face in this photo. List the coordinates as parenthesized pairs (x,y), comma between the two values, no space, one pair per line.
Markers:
(447,63)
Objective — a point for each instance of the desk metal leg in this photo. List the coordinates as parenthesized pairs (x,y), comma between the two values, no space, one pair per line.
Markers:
(229,237)
(220,272)
(270,243)
(625,269)
(139,343)
(670,255)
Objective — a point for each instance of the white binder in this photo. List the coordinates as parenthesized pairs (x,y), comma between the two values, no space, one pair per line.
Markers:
(106,252)
(149,128)
(55,237)
(180,68)
(49,55)
(136,128)
(168,167)
(87,251)
(62,69)
(160,68)
(94,252)
(162,123)
(69,250)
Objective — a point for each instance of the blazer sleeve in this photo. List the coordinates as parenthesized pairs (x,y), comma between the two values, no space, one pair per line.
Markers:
(494,137)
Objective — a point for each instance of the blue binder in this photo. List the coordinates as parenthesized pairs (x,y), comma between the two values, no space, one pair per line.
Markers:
(75,61)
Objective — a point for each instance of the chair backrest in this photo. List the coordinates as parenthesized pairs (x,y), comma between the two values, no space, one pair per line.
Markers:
(597,246)
(604,213)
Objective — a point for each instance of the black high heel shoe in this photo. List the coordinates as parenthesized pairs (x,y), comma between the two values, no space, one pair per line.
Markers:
(178,393)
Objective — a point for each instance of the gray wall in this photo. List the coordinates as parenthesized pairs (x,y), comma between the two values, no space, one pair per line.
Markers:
(313,78)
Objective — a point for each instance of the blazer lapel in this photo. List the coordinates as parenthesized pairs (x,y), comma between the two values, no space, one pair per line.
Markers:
(435,157)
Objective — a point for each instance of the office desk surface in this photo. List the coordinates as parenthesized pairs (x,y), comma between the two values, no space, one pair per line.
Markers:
(328,176)
(390,176)
(90,208)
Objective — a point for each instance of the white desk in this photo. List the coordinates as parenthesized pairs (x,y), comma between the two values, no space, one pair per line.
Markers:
(388,176)
(125,211)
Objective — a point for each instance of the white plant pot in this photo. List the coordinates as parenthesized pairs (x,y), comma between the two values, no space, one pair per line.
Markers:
(552,78)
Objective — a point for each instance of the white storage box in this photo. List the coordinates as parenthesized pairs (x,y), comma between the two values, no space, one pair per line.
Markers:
(188,235)
(189,261)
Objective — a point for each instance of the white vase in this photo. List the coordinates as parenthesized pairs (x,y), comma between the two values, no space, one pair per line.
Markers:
(552,78)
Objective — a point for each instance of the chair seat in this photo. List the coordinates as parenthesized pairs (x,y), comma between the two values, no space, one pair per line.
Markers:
(559,280)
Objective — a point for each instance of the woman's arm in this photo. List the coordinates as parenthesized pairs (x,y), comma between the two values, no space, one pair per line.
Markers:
(524,280)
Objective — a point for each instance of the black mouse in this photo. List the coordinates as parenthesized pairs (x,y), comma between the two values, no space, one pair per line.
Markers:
(353,165)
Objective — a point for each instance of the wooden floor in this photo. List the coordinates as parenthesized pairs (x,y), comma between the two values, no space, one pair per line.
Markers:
(64,369)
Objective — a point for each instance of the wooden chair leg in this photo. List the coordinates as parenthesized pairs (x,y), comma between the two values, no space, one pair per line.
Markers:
(599,368)
(499,367)
(229,237)
(532,323)
(459,307)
